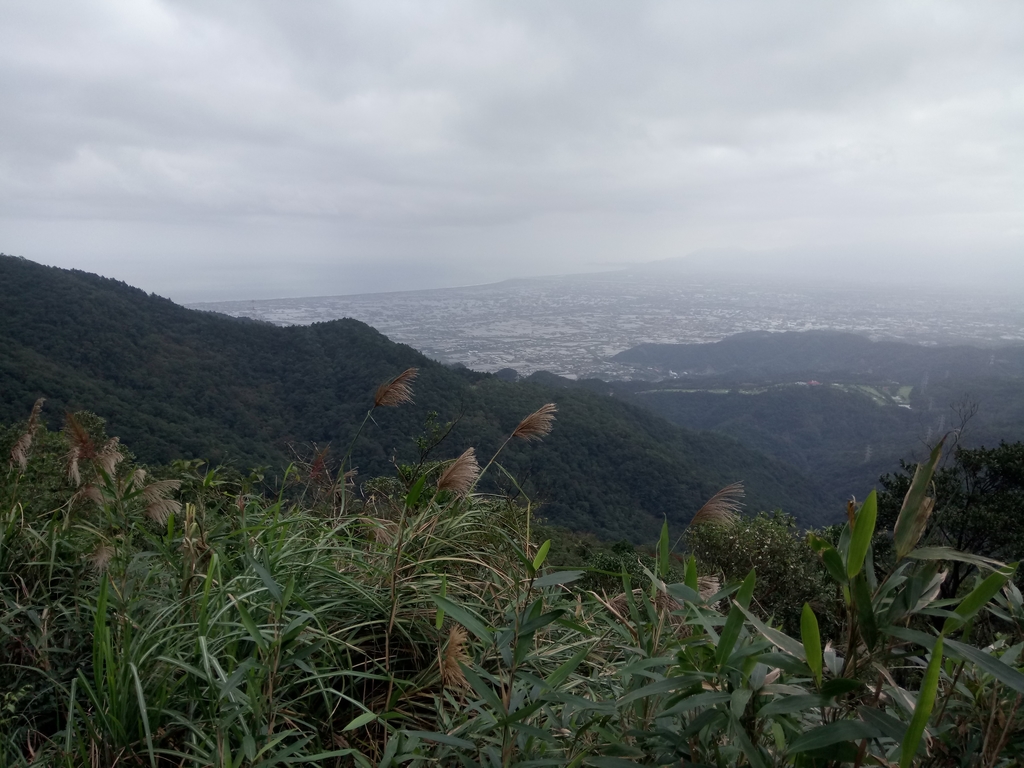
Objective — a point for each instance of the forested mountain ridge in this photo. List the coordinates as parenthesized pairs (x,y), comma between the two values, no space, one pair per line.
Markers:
(878,401)
(174,382)
(793,354)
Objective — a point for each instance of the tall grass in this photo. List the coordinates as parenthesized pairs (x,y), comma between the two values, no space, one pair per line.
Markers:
(192,620)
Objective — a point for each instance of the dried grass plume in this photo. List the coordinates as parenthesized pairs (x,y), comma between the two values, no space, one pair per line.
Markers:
(537,424)
(19,453)
(721,509)
(397,391)
(159,505)
(454,653)
(459,476)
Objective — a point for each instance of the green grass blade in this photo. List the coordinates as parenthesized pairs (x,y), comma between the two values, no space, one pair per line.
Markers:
(143,713)
(917,507)
(863,530)
(977,598)
(923,710)
(811,637)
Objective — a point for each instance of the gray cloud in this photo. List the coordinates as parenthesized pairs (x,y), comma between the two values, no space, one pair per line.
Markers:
(234,149)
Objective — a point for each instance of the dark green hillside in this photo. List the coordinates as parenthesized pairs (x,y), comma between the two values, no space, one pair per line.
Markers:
(796,355)
(175,382)
(852,428)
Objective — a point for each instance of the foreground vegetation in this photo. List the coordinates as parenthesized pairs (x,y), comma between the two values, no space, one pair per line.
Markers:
(185,617)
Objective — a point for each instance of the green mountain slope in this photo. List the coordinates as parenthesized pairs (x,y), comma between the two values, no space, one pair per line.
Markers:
(173,382)
(795,354)
(879,401)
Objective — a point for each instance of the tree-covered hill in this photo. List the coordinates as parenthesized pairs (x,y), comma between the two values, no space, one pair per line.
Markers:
(878,401)
(800,354)
(175,382)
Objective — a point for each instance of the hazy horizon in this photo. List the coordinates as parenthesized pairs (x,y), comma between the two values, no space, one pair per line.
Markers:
(250,150)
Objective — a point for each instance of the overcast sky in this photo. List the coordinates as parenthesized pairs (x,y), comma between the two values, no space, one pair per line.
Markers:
(222,150)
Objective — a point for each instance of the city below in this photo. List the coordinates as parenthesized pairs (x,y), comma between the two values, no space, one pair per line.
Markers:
(573,325)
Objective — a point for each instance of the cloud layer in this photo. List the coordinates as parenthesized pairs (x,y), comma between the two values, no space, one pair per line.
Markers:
(234,149)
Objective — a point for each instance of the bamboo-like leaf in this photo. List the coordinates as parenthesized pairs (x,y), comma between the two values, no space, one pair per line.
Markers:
(831,559)
(779,639)
(484,691)
(465,618)
(811,637)
(557,577)
(143,713)
(863,530)
(667,685)
(749,749)
(439,616)
(977,598)
(542,554)
(249,624)
(999,669)
(800,703)
(866,621)
(917,507)
(923,710)
(733,624)
(948,553)
(663,551)
(359,721)
(833,733)
(414,493)
(706,699)
(690,576)
(561,674)
(442,738)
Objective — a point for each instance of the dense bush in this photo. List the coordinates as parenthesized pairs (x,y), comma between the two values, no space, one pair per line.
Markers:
(789,573)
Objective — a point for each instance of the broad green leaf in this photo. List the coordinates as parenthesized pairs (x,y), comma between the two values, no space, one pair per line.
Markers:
(706,699)
(532,625)
(360,721)
(811,637)
(683,593)
(557,577)
(667,685)
(977,598)
(268,581)
(830,558)
(521,713)
(465,618)
(143,713)
(833,733)
(885,723)
(690,577)
(442,738)
(542,554)
(484,691)
(733,625)
(923,710)
(663,551)
(249,624)
(561,674)
(863,530)
(779,639)
(739,734)
(917,507)
(439,618)
(948,553)
(414,493)
(999,669)
(801,703)
(865,611)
